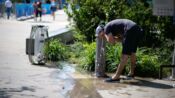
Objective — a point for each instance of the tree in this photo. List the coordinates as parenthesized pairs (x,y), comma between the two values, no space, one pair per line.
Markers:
(87,14)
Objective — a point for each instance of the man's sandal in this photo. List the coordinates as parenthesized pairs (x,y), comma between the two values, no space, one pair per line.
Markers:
(110,80)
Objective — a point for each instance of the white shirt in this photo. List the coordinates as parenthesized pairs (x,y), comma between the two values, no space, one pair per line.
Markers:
(53,3)
(8,3)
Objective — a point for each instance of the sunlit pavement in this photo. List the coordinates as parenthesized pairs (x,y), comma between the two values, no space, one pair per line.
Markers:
(20,79)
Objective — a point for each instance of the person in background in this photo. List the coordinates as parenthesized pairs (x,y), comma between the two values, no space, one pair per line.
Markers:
(1,7)
(53,8)
(8,5)
(127,32)
(48,1)
(35,10)
(39,10)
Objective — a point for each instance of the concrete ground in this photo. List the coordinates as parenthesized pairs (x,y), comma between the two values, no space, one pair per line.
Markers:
(20,79)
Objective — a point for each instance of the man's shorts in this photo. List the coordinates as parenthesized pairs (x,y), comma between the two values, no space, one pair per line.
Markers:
(131,39)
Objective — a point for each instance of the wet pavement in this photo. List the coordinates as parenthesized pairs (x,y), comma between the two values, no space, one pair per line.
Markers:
(20,79)
(87,86)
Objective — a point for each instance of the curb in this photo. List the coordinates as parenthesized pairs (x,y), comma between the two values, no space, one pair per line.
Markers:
(23,18)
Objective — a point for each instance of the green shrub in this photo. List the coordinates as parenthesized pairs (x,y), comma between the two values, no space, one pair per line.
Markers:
(149,61)
(113,53)
(87,58)
(147,64)
(75,51)
(83,54)
(54,50)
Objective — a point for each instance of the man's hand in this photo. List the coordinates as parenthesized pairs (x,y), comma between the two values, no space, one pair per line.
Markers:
(118,39)
(110,38)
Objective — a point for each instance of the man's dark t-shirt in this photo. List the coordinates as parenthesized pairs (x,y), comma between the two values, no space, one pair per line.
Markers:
(118,26)
(130,32)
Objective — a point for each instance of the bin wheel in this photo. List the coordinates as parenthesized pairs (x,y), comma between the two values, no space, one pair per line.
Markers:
(31,59)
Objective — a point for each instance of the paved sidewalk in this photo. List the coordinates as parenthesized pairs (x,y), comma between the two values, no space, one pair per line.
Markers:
(18,78)
(54,25)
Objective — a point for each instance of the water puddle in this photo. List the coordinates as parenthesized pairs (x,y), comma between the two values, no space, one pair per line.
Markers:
(82,85)
(76,84)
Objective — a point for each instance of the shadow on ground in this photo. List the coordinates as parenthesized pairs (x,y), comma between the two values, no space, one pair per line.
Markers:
(4,93)
(151,84)
(8,92)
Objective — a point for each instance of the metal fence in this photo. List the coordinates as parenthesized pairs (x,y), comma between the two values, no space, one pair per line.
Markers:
(23,9)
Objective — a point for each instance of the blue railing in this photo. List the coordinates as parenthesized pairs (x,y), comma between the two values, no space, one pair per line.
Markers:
(26,9)
(23,9)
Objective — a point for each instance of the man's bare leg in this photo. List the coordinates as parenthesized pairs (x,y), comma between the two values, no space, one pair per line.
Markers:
(133,64)
(124,59)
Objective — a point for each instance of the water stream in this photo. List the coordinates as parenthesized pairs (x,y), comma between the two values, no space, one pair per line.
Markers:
(82,85)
